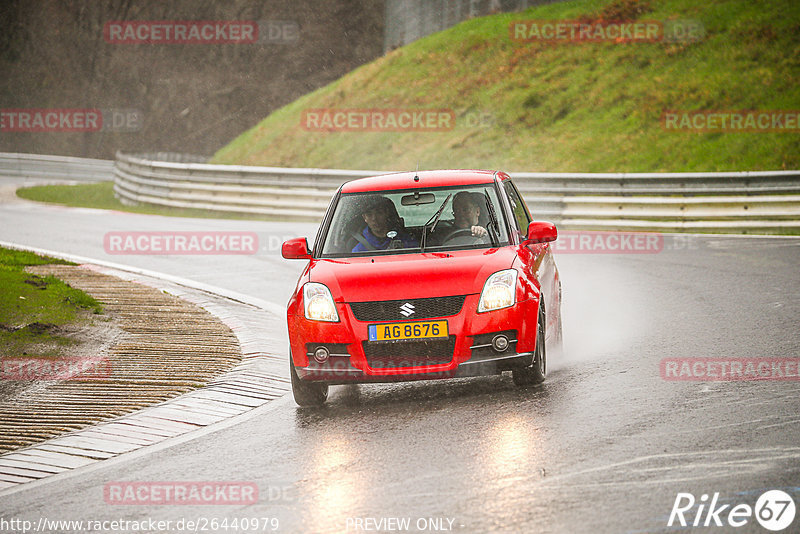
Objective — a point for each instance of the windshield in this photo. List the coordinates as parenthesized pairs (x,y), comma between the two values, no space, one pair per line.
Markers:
(415,220)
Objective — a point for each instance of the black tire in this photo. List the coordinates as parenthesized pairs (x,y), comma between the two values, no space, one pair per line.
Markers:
(536,372)
(307,394)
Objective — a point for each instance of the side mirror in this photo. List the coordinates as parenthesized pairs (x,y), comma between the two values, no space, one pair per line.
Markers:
(541,232)
(296,249)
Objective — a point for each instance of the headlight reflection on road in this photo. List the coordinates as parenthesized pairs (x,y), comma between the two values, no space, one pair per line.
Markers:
(511,449)
(338,485)
(510,456)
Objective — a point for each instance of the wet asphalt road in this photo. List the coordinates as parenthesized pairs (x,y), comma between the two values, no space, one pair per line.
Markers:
(604,445)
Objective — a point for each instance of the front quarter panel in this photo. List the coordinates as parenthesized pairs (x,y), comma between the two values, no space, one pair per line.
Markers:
(539,264)
(296,301)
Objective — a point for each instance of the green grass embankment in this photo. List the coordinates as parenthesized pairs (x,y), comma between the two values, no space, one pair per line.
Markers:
(568,107)
(33,309)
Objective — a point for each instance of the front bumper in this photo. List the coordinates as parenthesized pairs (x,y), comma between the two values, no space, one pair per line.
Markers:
(469,354)
(346,374)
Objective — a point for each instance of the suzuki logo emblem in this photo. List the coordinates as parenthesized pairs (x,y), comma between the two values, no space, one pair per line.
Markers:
(407,309)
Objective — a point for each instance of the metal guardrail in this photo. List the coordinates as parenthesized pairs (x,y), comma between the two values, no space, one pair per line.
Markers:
(752,202)
(738,202)
(294,193)
(56,167)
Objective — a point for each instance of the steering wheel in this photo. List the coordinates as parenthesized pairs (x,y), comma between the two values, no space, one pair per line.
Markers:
(461,232)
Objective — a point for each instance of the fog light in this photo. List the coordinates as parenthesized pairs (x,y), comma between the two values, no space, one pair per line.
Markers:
(321,354)
(500,343)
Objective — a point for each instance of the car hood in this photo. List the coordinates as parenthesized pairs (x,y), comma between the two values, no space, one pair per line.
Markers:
(408,276)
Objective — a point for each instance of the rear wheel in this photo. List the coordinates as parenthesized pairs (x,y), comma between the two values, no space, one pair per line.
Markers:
(535,373)
(307,394)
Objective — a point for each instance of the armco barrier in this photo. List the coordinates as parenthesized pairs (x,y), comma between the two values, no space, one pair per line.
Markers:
(750,202)
(296,194)
(736,202)
(56,167)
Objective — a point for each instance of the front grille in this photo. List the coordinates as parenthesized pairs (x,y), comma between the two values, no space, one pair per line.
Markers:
(392,310)
(401,354)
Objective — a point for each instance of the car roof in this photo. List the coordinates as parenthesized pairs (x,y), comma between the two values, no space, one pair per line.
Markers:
(405,180)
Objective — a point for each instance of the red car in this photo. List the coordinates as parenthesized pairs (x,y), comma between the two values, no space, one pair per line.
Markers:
(435,274)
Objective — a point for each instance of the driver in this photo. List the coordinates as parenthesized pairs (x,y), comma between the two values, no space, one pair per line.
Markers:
(466,213)
(384,228)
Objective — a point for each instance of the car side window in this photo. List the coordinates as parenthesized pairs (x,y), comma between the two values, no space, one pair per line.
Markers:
(521,216)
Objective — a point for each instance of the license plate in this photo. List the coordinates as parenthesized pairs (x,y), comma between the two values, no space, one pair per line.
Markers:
(395,331)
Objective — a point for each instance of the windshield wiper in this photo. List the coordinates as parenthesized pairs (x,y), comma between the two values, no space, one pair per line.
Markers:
(495,236)
(433,220)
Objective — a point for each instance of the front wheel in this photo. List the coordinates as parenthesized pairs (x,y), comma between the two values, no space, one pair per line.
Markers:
(307,394)
(535,373)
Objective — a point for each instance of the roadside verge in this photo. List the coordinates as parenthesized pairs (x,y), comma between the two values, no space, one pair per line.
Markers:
(259,378)
(166,346)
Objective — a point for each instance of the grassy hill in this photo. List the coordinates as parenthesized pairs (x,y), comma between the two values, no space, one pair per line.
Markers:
(539,106)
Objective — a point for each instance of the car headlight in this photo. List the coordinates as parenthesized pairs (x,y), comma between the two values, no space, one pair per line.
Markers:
(318,303)
(499,291)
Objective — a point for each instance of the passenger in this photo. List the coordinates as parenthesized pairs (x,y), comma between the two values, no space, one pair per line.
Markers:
(384,229)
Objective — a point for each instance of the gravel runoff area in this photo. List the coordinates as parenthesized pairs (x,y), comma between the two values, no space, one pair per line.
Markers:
(163,346)
(258,379)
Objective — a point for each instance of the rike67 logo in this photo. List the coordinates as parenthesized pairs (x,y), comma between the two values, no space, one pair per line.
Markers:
(774,510)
